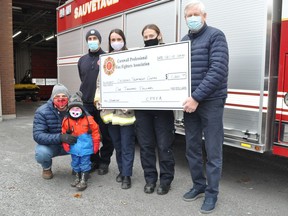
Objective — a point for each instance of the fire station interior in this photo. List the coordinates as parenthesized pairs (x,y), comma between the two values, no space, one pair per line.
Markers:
(35,48)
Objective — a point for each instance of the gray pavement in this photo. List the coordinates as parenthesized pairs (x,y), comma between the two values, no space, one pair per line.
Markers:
(251,185)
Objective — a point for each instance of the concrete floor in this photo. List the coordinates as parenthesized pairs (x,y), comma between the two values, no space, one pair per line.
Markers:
(252,184)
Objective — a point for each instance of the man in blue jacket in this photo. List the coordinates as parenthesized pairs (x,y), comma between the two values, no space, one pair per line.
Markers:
(203,111)
(47,126)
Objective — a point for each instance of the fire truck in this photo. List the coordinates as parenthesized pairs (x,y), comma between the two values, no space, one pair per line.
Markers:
(256,110)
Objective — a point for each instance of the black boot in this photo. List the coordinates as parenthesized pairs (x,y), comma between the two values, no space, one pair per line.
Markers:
(126,182)
(119,178)
(83,182)
(77,179)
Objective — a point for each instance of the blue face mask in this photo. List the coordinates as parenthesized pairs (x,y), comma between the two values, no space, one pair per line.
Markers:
(194,23)
(93,45)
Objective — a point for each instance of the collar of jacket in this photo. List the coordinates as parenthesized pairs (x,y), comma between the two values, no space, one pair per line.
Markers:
(197,34)
(100,51)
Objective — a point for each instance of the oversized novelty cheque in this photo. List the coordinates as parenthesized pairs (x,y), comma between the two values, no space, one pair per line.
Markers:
(155,77)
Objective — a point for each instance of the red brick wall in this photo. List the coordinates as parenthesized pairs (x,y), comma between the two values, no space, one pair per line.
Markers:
(44,65)
(6,59)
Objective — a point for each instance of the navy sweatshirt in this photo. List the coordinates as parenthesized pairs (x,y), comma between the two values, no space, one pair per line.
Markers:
(88,68)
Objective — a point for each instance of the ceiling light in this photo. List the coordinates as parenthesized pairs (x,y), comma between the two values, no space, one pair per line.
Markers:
(50,37)
(16,8)
(19,32)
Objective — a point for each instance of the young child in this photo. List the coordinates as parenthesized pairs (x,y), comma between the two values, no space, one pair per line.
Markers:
(81,124)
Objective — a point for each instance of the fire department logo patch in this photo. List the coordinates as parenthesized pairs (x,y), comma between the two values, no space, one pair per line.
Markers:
(109,66)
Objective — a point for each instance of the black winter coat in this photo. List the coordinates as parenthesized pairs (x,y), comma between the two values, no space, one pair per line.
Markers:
(88,68)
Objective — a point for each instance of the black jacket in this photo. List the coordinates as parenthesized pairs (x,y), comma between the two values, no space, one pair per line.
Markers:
(88,68)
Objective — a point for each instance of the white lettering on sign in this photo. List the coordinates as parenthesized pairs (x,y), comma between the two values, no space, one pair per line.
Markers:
(65,11)
(68,10)
(62,12)
(92,6)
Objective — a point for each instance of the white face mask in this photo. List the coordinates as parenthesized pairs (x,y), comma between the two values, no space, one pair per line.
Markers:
(117,45)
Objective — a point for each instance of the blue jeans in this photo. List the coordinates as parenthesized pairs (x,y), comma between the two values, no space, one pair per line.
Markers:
(45,153)
(81,163)
(123,138)
(155,131)
(207,120)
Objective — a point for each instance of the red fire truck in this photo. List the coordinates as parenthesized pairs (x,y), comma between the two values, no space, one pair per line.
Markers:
(280,142)
(256,110)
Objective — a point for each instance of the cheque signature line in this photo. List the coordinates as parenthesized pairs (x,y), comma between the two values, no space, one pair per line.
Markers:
(116,101)
(160,101)
(147,90)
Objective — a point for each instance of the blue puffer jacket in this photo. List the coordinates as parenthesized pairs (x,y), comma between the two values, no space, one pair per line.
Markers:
(209,63)
(47,125)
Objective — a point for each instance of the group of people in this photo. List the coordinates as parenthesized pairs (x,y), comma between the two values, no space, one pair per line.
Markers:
(76,124)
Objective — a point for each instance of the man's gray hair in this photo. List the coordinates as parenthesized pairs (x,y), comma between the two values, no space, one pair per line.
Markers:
(195,3)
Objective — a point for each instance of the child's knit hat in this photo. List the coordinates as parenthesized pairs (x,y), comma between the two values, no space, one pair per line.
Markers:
(76,100)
